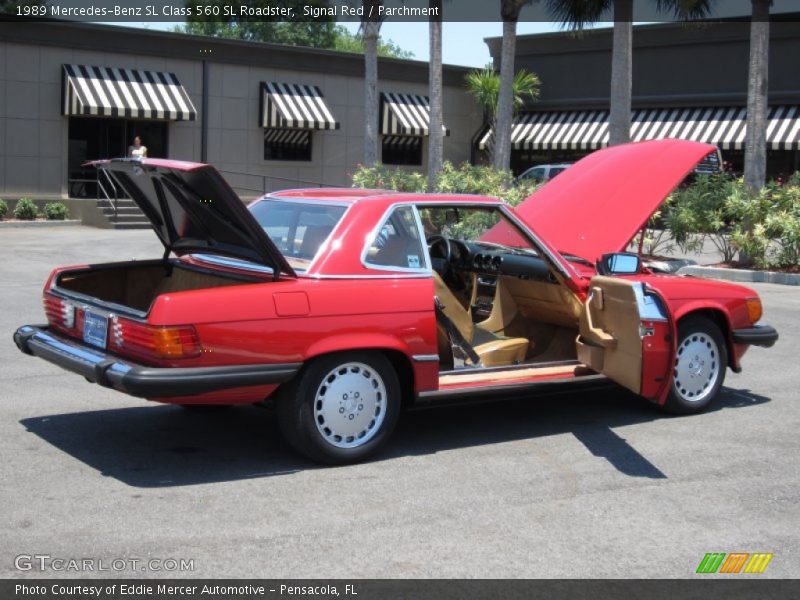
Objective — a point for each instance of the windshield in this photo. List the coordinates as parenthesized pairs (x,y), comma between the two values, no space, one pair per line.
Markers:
(298,229)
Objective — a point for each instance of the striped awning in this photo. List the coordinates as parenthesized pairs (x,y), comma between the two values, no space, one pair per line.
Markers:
(588,130)
(294,106)
(405,114)
(287,137)
(112,92)
(401,141)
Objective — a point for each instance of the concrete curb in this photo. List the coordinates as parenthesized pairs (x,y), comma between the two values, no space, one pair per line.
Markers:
(42,223)
(743,275)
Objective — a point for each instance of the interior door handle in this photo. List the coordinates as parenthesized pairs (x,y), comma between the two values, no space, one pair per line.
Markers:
(600,336)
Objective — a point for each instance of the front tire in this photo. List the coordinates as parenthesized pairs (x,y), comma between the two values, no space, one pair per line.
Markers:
(341,408)
(699,369)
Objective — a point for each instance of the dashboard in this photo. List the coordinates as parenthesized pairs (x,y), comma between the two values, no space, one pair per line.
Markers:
(482,259)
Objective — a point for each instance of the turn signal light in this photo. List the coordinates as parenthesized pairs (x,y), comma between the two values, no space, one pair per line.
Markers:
(152,341)
(754,310)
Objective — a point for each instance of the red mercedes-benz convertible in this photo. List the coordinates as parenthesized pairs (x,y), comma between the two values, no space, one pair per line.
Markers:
(341,305)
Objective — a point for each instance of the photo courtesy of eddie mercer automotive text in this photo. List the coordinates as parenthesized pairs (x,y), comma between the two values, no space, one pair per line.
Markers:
(340,306)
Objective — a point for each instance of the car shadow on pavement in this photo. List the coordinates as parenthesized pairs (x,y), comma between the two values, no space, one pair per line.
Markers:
(589,415)
(165,446)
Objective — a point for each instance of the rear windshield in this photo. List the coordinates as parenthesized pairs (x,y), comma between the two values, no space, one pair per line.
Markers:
(298,229)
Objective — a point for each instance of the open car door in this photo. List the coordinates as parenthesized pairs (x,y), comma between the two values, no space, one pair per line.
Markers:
(627,334)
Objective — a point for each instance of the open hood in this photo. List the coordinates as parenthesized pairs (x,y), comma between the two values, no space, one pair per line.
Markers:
(598,204)
(194,210)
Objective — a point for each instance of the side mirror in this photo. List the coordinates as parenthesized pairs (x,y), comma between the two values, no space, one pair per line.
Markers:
(619,263)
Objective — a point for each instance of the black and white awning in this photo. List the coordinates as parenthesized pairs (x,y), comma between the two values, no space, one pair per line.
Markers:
(112,92)
(405,114)
(287,137)
(588,129)
(401,141)
(294,106)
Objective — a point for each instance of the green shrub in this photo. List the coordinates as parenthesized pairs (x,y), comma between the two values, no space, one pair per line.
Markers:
(764,226)
(3,209)
(381,177)
(461,179)
(56,211)
(701,211)
(25,209)
(768,224)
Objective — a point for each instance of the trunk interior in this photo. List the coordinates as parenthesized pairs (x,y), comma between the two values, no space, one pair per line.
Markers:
(136,285)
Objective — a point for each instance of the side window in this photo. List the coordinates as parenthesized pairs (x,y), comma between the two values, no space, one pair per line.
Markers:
(397,243)
(537,174)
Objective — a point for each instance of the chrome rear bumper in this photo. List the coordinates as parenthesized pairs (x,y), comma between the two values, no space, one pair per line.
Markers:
(140,380)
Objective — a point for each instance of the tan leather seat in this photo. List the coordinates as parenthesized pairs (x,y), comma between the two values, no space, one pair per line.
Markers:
(492,349)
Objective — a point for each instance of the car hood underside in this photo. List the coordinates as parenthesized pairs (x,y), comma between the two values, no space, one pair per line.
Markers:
(599,204)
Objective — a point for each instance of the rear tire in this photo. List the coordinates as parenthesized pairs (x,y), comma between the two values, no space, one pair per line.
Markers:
(341,408)
(699,369)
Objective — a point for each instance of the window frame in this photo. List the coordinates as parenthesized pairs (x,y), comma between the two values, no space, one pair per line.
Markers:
(425,269)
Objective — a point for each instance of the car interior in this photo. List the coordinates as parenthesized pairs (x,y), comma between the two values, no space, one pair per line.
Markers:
(497,305)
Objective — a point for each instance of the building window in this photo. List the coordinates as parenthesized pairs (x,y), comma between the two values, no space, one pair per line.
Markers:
(401,150)
(397,243)
(287,144)
(93,138)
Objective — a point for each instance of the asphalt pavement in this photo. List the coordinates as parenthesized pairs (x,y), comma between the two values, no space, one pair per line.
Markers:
(591,484)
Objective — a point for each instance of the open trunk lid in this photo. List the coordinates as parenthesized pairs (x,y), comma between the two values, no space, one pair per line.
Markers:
(194,211)
(598,204)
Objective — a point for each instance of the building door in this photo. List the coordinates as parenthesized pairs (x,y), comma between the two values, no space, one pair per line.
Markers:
(152,133)
(93,138)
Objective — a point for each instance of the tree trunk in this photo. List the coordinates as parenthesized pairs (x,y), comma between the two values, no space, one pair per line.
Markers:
(755,144)
(619,122)
(505,100)
(436,137)
(370,32)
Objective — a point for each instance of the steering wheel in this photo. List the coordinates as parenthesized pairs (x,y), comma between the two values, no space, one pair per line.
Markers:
(436,240)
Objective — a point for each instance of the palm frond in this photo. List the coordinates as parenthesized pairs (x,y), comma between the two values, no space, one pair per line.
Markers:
(577,14)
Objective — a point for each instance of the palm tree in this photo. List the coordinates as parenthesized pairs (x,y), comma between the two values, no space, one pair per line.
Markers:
(755,145)
(370,32)
(484,86)
(576,14)
(509,12)
(436,136)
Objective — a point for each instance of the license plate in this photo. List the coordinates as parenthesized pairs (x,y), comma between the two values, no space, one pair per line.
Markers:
(95,329)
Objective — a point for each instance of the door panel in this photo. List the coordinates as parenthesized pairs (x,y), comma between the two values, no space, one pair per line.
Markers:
(610,341)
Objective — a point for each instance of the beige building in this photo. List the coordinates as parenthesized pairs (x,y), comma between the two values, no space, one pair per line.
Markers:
(268,116)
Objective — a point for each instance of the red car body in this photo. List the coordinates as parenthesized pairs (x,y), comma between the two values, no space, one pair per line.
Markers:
(239,344)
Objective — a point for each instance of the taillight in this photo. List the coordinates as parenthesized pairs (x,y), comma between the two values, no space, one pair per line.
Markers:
(152,341)
(754,310)
(60,313)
